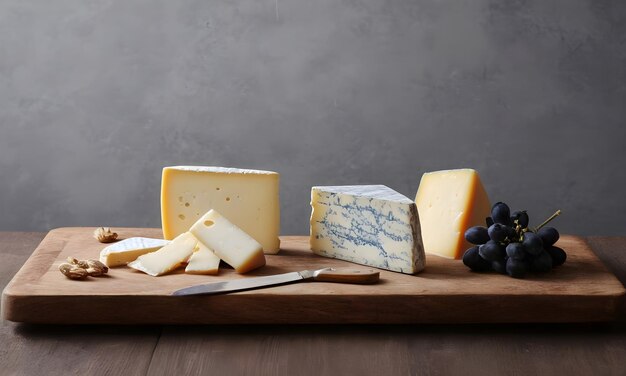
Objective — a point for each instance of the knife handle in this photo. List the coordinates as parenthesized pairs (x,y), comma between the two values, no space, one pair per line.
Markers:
(347,275)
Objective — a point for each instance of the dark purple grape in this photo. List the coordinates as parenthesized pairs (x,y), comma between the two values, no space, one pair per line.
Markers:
(477,235)
(549,235)
(499,266)
(491,251)
(521,217)
(542,263)
(501,214)
(498,232)
(511,233)
(472,260)
(488,221)
(558,255)
(515,251)
(516,268)
(532,243)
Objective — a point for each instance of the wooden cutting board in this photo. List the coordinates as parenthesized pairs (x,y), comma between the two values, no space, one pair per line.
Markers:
(582,290)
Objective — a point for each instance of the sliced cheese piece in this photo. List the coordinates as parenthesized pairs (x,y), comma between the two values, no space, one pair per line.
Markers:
(127,250)
(367,224)
(167,258)
(248,198)
(203,261)
(229,242)
(449,202)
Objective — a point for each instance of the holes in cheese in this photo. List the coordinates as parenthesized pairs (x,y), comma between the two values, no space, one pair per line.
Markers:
(229,242)
(449,202)
(248,198)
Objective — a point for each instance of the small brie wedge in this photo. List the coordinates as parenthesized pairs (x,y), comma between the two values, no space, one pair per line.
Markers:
(127,250)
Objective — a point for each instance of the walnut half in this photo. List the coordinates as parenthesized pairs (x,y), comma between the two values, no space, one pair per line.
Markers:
(73,271)
(81,269)
(96,268)
(105,235)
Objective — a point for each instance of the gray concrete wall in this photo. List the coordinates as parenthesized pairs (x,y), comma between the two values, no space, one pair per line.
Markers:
(97,96)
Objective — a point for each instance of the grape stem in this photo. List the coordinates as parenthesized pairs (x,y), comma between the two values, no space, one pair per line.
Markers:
(556,214)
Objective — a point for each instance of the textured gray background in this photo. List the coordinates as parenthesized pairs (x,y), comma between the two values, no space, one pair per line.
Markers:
(97,96)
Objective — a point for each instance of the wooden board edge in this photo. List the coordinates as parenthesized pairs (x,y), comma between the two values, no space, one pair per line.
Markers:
(389,309)
(13,292)
(7,307)
(30,269)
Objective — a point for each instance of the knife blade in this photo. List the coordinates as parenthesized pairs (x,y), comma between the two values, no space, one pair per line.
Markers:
(338,275)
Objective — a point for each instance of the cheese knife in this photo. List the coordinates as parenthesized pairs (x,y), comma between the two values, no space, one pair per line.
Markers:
(339,275)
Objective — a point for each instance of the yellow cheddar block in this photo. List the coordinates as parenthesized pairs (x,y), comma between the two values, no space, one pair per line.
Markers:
(248,198)
(449,202)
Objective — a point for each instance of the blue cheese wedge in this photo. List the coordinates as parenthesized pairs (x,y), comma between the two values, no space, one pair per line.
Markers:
(367,224)
(127,250)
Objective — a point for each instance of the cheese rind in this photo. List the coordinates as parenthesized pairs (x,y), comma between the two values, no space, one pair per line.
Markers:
(367,224)
(248,198)
(127,250)
(167,258)
(449,202)
(229,242)
(203,261)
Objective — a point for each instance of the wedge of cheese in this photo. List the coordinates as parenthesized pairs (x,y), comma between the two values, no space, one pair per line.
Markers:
(367,224)
(449,202)
(203,261)
(229,242)
(248,198)
(127,250)
(167,258)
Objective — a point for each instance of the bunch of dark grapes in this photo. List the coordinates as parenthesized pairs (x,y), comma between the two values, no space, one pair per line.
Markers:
(508,246)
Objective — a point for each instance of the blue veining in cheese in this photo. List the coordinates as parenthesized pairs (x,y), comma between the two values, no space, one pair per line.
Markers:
(367,224)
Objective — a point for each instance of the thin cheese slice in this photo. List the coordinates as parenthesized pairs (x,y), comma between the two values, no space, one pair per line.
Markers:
(248,198)
(449,202)
(167,258)
(127,250)
(229,242)
(203,261)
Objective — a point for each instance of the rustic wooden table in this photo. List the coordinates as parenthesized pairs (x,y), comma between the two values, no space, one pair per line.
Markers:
(321,350)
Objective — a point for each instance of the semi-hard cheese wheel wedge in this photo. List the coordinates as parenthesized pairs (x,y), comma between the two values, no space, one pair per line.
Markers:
(127,250)
(248,198)
(229,242)
(203,261)
(449,202)
(167,258)
(367,224)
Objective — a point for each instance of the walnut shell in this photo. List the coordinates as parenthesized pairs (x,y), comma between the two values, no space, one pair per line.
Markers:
(73,271)
(105,235)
